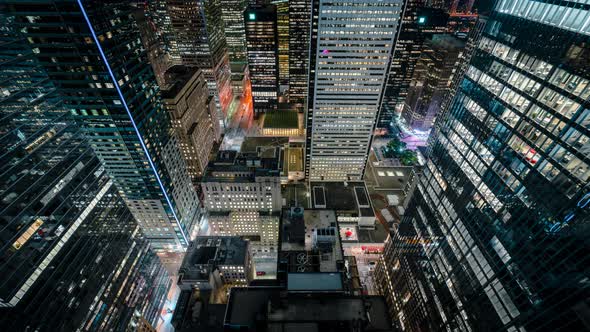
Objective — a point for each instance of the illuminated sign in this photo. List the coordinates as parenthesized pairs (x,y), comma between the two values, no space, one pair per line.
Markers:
(27,234)
(251,16)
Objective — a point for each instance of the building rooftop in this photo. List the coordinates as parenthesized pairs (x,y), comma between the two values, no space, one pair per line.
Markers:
(314,222)
(273,309)
(340,196)
(294,158)
(351,233)
(238,68)
(263,161)
(194,313)
(281,119)
(225,157)
(252,143)
(176,78)
(362,198)
(319,197)
(349,200)
(314,281)
(390,177)
(205,253)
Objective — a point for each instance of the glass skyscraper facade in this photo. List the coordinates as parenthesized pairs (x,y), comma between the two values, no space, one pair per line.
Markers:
(73,257)
(283,48)
(93,55)
(496,235)
(299,28)
(406,54)
(263,59)
(232,12)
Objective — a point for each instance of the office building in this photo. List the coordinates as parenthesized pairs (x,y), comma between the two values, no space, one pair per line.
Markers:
(232,14)
(156,12)
(69,239)
(110,89)
(214,261)
(299,28)
(283,35)
(263,64)
(240,81)
(260,228)
(407,51)
(153,40)
(346,81)
(418,24)
(501,212)
(200,39)
(244,182)
(192,112)
(432,80)
(398,277)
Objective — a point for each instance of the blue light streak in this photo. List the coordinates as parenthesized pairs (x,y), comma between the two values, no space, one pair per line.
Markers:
(145,150)
(582,203)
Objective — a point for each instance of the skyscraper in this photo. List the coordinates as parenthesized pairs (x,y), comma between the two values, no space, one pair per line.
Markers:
(72,251)
(262,42)
(232,13)
(346,80)
(283,35)
(153,40)
(193,115)
(108,86)
(438,64)
(501,213)
(200,38)
(406,54)
(418,23)
(299,27)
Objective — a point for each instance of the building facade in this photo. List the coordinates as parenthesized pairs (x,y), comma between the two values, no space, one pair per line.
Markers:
(283,35)
(501,211)
(243,183)
(418,24)
(260,193)
(299,30)
(212,262)
(154,41)
(407,51)
(398,278)
(432,80)
(110,89)
(346,81)
(263,62)
(200,41)
(69,240)
(232,13)
(193,116)
(262,229)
